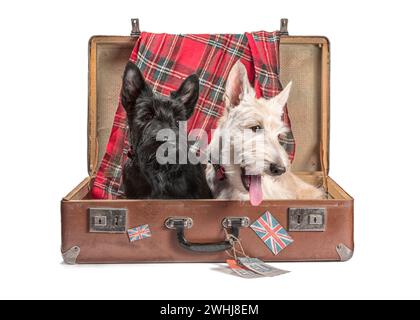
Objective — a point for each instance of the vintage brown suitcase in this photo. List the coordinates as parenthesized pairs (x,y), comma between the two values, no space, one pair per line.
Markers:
(94,231)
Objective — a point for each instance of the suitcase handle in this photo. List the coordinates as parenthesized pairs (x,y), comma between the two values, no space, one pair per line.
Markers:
(181,223)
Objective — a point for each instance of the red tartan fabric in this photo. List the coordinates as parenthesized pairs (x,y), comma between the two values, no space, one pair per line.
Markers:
(166,60)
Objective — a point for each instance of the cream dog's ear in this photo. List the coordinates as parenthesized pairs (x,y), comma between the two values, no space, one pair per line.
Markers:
(237,86)
(279,101)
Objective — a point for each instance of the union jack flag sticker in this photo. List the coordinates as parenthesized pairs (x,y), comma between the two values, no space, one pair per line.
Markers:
(271,232)
(139,233)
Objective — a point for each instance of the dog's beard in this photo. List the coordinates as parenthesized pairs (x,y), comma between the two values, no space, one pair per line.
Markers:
(147,154)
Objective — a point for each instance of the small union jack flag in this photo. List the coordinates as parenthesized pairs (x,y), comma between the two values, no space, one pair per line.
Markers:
(138,233)
(271,232)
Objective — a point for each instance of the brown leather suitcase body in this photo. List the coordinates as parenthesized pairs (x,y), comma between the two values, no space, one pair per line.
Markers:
(94,231)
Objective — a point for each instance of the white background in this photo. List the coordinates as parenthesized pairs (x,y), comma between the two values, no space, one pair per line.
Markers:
(375,124)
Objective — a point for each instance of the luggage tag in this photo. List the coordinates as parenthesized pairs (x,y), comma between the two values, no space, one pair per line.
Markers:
(247,267)
(260,267)
(241,271)
(233,263)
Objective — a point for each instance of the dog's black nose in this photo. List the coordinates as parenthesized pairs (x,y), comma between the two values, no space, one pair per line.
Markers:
(276,170)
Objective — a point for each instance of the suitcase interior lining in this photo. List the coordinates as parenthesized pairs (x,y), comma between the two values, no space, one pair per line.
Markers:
(301,61)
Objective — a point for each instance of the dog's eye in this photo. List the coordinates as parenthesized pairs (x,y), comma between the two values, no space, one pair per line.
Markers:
(255,128)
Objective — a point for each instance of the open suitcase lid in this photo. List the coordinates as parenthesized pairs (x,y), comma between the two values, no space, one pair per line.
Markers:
(303,60)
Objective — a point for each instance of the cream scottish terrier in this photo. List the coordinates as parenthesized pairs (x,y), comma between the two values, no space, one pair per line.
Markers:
(259,173)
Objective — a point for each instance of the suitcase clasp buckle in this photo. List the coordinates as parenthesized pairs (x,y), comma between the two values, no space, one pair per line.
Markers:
(242,222)
(174,222)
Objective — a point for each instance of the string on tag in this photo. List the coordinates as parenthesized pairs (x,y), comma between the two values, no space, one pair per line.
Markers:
(235,241)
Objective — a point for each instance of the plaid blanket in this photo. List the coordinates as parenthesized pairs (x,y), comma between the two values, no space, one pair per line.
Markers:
(166,60)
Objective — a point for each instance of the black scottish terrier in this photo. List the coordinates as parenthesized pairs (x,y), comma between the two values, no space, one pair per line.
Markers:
(147,115)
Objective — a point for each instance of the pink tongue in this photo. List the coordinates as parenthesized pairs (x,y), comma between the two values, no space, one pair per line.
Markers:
(255,190)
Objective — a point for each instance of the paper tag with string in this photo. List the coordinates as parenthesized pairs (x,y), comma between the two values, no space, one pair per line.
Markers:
(245,266)
(260,267)
(233,263)
(241,271)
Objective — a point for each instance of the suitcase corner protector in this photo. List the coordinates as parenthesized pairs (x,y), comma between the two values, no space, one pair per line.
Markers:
(344,252)
(70,256)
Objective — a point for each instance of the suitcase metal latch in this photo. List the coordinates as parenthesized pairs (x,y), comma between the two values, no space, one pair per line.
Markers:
(135,27)
(307,219)
(284,27)
(107,220)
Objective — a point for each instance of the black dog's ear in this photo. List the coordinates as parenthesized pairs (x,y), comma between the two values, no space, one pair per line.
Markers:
(133,86)
(188,94)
